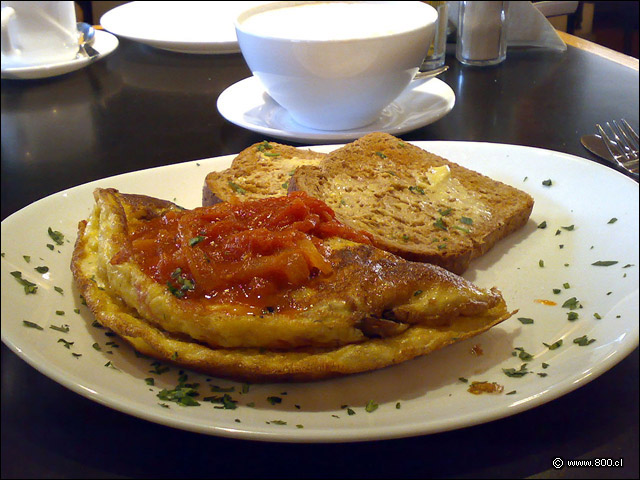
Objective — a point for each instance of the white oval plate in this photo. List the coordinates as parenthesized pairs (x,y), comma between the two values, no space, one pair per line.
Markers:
(184,27)
(247,105)
(104,43)
(418,397)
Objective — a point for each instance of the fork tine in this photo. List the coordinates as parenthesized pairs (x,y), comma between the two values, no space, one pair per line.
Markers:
(631,132)
(615,152)
(631,153)
(609,144)
(625,151)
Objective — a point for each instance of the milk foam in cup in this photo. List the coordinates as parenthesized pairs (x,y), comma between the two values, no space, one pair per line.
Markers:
(38,33)
(335,65)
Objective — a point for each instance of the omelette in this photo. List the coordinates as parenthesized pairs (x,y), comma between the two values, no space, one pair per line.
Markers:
(274,289)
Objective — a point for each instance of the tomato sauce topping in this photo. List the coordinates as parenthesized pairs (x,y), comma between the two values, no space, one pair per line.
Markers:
(247,252)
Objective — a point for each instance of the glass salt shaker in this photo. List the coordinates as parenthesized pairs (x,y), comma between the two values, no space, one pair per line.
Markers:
(482,33)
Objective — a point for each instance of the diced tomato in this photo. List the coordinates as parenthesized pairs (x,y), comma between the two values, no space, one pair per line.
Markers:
(252,252)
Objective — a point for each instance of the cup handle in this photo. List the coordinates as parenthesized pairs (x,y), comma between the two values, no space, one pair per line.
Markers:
(430,73)
(7,47)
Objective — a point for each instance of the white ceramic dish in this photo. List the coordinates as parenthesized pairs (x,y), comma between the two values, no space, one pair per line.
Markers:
(247,105)
(418,397)
(184,27)
(105,43)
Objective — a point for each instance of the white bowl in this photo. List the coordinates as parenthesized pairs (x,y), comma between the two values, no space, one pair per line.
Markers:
(335,71)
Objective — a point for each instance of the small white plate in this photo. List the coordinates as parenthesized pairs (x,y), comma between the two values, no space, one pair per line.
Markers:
(105,43)
(247,105)
(184,27)
(418,397)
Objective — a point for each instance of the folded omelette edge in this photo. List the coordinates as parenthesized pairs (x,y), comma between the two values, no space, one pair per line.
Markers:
(390,314)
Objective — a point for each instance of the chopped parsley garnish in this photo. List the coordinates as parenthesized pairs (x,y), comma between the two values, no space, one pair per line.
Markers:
(419,190)
(237,188)
(183,394)
(371,406)
(225,401)
(65,343)
(185,283)
(572,304)
(604,263)
(547,183)
(217,389)
(583,341)
(61,328)
(571,316)
(56,236)
(613,220)
(381,155)
(42,269)
(525,320)
(277,422)
(159,368)
(512,372)
(28,286)
(440,224)
(29,324)
(274,400)
(264,146)
(466,220)
(195,240)
(554,345)
(523,355)
(542,225)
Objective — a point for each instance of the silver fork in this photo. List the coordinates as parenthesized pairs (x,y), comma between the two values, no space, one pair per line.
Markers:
(622,144)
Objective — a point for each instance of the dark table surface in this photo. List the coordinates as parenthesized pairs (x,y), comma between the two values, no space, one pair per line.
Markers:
(140,108)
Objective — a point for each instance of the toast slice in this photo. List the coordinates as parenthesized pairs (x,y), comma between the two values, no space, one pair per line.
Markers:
(259,171)
(416,205)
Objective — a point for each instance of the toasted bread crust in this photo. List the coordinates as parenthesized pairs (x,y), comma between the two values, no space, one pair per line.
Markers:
(259,171)
(416,204)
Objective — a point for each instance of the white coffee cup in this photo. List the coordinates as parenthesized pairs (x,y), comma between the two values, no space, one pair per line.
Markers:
(38,33)
(335,65)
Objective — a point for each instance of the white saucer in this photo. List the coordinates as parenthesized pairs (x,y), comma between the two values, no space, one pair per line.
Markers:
(184,27)
(247,105)
(105,43)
